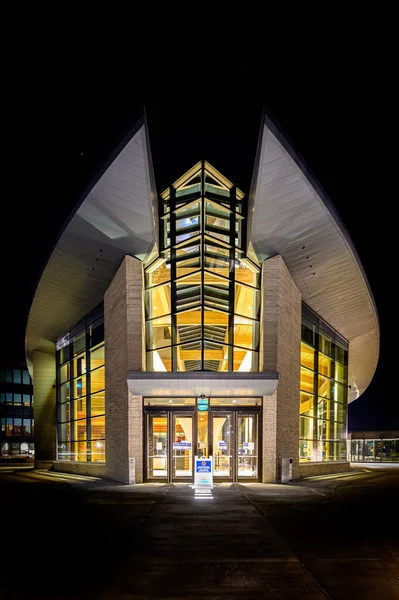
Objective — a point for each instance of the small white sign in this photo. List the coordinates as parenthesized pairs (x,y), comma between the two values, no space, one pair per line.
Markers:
(251,445)
(159,445)
(203,477)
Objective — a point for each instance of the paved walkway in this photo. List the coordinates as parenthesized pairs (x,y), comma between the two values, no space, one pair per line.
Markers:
(332,537)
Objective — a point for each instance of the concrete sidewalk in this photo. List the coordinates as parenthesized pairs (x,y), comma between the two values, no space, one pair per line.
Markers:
(333,537)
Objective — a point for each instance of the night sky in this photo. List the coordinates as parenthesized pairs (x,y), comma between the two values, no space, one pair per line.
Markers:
(62,128)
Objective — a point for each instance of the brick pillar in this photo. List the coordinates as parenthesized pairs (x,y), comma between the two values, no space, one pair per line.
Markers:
(44,408)
(269,431)
(281,342)
(123,323)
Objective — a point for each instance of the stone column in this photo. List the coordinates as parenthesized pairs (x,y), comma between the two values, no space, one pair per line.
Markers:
(269,431)
(44,410)
(123,323)
(281,342)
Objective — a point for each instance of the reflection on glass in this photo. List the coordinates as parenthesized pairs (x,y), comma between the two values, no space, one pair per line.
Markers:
(182,446)
(203,441)
(306,427)
(157,301)
(307,404)
(307,356)
(247,446)
(324,387)
(307,381)
(324,365)
(246,301)
(222,446)
(97,380)
(157,273)
(246,333)
(79,387)
(159,360)
(157,444)
(246,272)
(98,404)
(244,360)
(159,334)
(97,357)
(79,365)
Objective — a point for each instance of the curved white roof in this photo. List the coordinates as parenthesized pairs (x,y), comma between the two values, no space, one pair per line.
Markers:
(290,215)
(117,217)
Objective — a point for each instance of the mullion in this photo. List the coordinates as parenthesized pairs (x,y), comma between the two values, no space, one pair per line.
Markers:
(232,278)
(172,234)
(202,230)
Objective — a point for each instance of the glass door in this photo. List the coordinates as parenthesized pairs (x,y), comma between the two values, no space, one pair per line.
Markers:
(223,445)
(157,446)
(182,451)
(247,446)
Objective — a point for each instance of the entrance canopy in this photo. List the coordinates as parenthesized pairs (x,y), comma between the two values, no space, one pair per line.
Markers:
(145,383)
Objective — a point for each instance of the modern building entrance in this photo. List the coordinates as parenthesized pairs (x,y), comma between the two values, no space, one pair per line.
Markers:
(178,429)
(235,445)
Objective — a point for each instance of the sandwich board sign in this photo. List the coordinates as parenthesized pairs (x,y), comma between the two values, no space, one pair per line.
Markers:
(203,477)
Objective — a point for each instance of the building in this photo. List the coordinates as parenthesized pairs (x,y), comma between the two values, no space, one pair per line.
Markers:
(373,446)
(201,320)
(16,413)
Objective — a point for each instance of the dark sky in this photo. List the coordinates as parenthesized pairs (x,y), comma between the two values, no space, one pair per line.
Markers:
(60,127)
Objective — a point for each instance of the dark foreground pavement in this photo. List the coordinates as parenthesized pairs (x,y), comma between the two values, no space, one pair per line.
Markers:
(74,537)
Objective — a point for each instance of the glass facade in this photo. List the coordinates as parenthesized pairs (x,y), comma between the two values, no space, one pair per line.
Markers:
(17,425)
(202,301)
(323,391)
(178,429)
(377,449)
(81,391)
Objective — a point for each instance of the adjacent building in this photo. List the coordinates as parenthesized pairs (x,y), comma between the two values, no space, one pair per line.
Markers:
(202,319)
(373,446)
(16,413)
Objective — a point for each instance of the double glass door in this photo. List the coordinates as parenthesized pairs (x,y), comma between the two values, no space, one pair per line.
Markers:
(170,445)
(174,437)
(235,445)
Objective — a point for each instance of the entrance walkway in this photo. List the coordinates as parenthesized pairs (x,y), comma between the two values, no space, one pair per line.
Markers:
(335,537)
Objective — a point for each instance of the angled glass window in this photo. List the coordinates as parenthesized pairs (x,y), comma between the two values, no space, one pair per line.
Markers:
(212,303)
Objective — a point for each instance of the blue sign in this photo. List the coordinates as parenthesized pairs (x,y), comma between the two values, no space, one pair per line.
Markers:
(181,445)
(203,466)
(202,400)
(203,407)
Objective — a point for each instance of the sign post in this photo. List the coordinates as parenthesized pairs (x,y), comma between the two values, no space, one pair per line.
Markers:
(203,478)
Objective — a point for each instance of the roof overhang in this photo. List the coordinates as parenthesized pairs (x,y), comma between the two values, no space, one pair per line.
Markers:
(290,215)
(117,217)
(194,384)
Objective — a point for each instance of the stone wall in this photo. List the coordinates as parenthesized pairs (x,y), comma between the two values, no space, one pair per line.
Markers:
(123,322)
(44,391)
(321,468)
(280,351)
(90,469)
